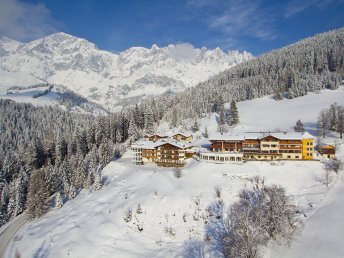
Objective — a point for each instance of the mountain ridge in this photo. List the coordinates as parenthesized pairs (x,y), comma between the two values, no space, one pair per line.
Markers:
(110,78)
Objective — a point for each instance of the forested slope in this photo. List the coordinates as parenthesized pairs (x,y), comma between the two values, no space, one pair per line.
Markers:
(309,65)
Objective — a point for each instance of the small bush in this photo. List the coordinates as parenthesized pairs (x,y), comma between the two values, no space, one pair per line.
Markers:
(128,215)
(177,173)
(218,192)
(139,209)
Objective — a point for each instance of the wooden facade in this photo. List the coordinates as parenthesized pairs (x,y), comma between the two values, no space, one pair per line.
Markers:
(155,137)
(266,147)
(167,154)
(182,137)
(327,151)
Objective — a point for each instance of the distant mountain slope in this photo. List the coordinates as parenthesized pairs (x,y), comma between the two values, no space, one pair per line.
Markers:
(108,78)
(306,66)
(55,96)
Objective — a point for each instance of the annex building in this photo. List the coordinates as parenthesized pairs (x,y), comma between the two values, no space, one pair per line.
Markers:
(259,146)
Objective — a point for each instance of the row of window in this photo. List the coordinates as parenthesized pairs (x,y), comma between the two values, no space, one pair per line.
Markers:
(222,159)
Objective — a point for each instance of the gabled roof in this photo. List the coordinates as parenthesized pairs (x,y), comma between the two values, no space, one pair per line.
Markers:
(262,135)
(227,137)
(326,146)
(180,145)
(159,135)
(184,135)
(149,145)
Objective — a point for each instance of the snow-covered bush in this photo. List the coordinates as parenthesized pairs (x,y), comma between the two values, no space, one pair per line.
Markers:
(261,215)
(139,209)
(218,192)
(128,215)
(170,231)
(177,172)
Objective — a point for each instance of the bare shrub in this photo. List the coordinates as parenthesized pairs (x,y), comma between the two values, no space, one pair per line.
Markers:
(177,172)
(218,191)
(128,215)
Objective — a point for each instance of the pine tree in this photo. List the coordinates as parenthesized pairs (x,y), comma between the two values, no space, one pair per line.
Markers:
(195,126)
(149,121)
(58,200)
(105,154)
(98,181)
(72,192)
(20,195)
(299,127)
(37,196)
(206,133)
(234,114)
(61,148)
(133,132)
(3,204)
(82,143)
(340,121)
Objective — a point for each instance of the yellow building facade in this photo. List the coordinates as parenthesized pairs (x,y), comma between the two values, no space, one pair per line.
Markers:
(307,148)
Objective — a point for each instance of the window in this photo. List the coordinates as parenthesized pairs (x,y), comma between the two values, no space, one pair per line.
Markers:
(288,157)
(297,157)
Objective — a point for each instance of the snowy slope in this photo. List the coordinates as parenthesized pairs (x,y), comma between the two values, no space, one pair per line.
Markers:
(92,225)
(111,79)
(55,98)
(322,234)
(267,114)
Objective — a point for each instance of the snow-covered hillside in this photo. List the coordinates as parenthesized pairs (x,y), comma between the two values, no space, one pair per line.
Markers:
(108,78)
(174,216)
(57,96)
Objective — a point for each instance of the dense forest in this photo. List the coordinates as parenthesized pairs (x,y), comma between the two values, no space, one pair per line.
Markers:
(307,66)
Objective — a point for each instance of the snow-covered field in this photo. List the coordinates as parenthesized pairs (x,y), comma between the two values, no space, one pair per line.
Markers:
(174,211)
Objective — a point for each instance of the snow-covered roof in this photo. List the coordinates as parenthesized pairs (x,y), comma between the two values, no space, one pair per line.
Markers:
(152,145)
(156,134)
(227,137)
(256,136)
(146,144)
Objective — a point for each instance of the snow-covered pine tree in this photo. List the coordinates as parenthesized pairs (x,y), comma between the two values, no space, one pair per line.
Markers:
(37,195)
(105,153)
(234,114)
(299,127)
(99,131)
(149,121)
(195,126)
(20,194)
(61,148)
(82,143)
(3,204)
(72,192)
(98,184)
(340,121)
(133,131)
(206,135)
(58,200)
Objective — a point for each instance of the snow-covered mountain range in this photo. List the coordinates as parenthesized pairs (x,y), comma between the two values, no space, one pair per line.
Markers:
(108,78)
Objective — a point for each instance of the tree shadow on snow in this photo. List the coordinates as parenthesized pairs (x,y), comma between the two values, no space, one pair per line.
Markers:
(42,251)
(193,248)
(215,231)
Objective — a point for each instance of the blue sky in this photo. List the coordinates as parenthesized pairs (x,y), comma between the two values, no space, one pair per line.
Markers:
(256,26)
